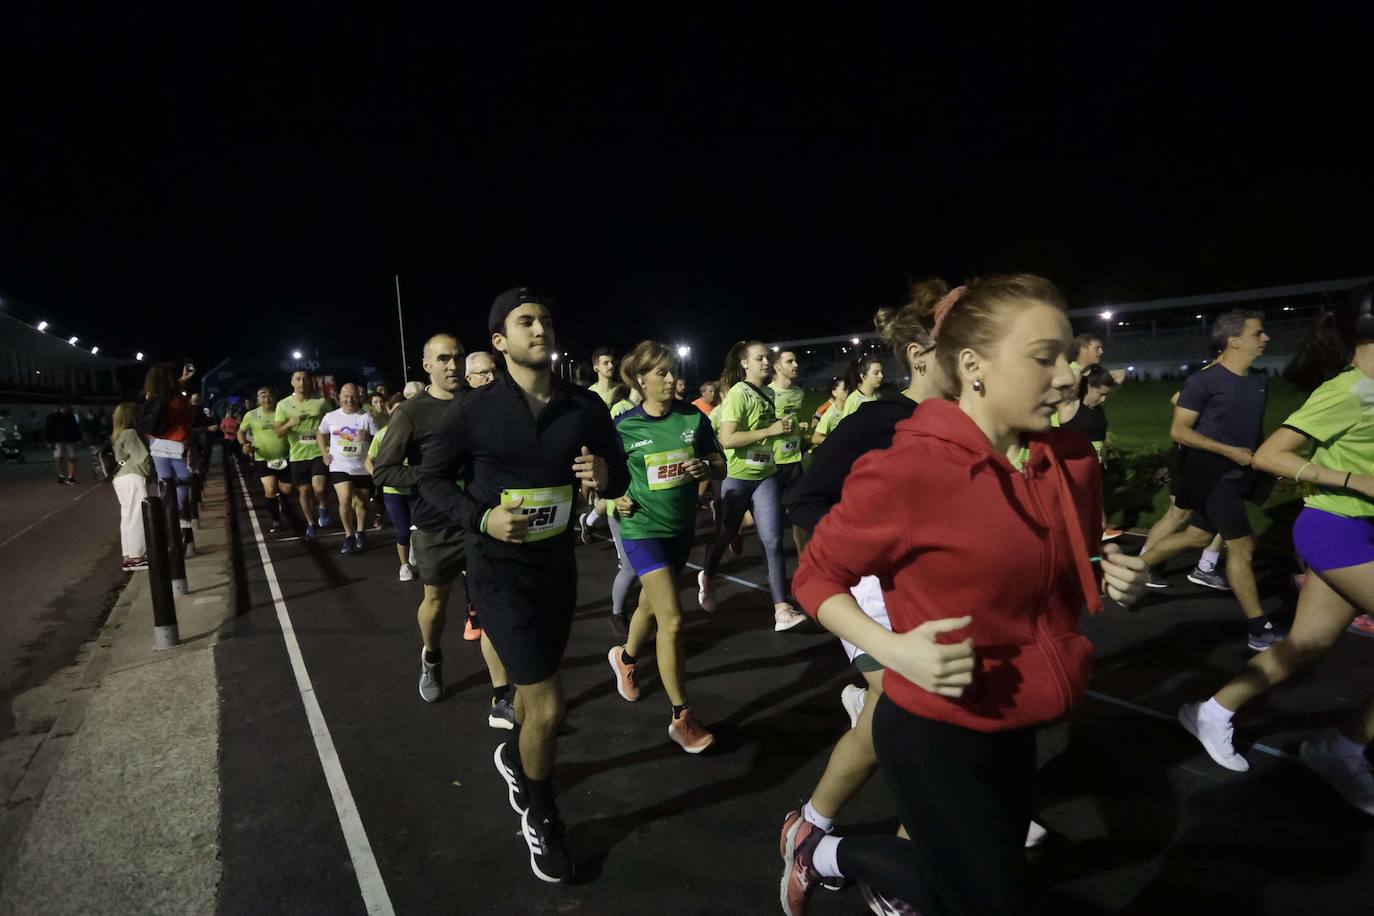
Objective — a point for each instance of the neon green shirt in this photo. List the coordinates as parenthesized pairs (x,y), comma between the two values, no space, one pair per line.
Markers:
(830,419)
(855,400)
(750,409)
(1339,417)
(787,403)
(302,438)
(604,395)
(372,453)
(619,407)
(267,445)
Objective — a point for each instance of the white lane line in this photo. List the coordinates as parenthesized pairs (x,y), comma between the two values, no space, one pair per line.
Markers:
(1124,704)
(370,883)
(14,537)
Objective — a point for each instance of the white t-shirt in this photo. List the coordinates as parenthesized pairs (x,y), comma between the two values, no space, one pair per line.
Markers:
(349,435)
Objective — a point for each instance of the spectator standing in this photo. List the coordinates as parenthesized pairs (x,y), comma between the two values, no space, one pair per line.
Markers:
(63,433)
(131,485)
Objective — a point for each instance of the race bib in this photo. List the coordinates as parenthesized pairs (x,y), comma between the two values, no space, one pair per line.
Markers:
(759,458)
(307,437)
(790,446)
(166,448)
(668,470)
(277,464)
(350,448)
(548,509)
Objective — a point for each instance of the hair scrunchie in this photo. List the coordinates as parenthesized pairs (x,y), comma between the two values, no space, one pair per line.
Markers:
(943,306)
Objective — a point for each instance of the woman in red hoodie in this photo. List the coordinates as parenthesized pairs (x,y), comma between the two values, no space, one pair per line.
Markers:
(978,510)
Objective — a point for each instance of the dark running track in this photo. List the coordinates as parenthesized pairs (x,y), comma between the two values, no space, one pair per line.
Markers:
(1141,820)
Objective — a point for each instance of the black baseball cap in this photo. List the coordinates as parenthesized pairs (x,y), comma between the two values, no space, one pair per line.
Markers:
(508,302)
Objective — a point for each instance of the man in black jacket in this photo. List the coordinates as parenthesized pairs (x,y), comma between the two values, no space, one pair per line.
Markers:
(63,434)
(523,445)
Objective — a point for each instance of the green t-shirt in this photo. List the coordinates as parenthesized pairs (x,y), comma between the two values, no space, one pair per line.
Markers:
(656,448)
(372,453)
(302,438)
(267,445)
(1339,417)
(855,400)
(787,403)
(830,419)
(750,409)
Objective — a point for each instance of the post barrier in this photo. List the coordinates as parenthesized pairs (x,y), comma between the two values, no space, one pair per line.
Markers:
(165,632)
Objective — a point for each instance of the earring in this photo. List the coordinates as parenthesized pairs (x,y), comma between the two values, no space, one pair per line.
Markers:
(978,385)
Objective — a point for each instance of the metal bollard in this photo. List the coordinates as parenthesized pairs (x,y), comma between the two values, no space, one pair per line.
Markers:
(176,560)
(194,504)
(165,632)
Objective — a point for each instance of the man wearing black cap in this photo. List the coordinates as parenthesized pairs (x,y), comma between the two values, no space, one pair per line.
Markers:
(523,445)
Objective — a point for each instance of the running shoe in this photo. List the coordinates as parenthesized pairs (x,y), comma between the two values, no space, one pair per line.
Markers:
(549,858)
(584,528)
(360,541)
(625,683)
(1156,581)
(274,527)
(348,547)
(310,532)
(136,564)
(515,780)
(852,699)
(689,733)
(406,574)
(61,480)
(1211,579)
(1215,739)
(1363,624)
(1111,534)
(1035,835)
(799,879)
(785,617)
(886,906)
(706,592)
(737,545)
(1258,642)
(431,679)
(502,714)
(322,518)
(1348,774)
(472,627)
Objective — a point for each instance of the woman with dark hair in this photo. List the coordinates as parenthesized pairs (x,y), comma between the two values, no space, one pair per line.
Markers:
(1084,414)
(165,419)
(979,483)
(669,446)
(746,424)
(1334,534)
(829,414)
(865,378)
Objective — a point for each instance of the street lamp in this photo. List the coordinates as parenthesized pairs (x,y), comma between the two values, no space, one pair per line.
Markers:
(94,350)
(295,354)
(854,341)
(139,356)
(1106,316)
(683,350)
(72,341)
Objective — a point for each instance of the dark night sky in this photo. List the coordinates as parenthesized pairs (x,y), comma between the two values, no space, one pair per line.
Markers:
(219,183)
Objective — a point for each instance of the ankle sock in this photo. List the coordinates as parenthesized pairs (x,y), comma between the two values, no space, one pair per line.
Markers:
(678,710)
(825,860)
(1215,713)
(432,657)
(626,658)
(811,814)
(1208,562)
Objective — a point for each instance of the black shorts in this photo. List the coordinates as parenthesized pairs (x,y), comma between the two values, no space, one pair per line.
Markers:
(526,612)
(359,481)
(303,471)
(789,479)
(283,474)
(440,557)
(1224,511)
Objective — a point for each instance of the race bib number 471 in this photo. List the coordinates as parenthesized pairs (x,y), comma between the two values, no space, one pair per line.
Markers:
(667,470)
(548,509)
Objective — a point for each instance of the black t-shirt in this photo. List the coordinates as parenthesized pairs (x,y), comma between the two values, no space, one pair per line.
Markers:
(1090,421)
(1230,407)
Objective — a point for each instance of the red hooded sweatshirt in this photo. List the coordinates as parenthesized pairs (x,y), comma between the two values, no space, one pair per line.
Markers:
(952,528)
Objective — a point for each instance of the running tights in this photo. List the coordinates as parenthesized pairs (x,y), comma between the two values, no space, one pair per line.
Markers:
(398,510)
(965,797)
(625,577)
(765,498)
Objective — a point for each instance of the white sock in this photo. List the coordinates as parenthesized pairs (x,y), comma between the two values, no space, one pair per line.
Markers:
(811,814)
(825,860)
(1215,713)
(593,517)
(1339,745)
(1208,563)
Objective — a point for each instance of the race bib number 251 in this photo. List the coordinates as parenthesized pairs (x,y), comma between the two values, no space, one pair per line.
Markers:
(548,509)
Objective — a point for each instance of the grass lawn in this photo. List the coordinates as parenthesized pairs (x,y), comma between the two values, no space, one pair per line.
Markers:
(1140,414)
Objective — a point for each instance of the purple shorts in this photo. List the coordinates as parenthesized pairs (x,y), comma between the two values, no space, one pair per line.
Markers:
(649,554)
(1329,541)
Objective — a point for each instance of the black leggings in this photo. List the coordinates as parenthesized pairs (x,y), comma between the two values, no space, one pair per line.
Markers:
(965,797)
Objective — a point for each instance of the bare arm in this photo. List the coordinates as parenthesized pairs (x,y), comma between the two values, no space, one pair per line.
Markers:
(731,436)
(1279,455)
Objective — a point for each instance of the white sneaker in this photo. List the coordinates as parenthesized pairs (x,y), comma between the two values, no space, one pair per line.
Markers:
(406,574)
(1348,774)
(1035,835)
(706,592)
(852,699)
(785,617)
(1215,739)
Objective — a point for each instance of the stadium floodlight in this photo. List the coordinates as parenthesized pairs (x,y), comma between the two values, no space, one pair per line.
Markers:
(854,341)
(42,325)
(295,354)
(94,350)
(1130,368)
(1106,316)
(139,356)
(683,350)
(1197,316)
(1121,324)
(555,357)
(72,341)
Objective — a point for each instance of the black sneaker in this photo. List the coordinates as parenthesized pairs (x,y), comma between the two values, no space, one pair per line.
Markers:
(515,780)
(549,859)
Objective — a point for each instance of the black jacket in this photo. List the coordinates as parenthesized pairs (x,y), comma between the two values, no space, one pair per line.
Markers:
(409,432)
(62,427)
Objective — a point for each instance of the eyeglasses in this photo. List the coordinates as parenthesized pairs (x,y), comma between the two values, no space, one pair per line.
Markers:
(485,373)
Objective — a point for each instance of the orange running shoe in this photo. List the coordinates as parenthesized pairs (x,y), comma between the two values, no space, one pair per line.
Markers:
(625,683)
(472,629)
(689,733)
